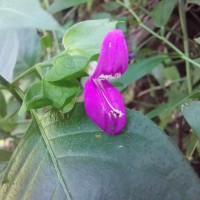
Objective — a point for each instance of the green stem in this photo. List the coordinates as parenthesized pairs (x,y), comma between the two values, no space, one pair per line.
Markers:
(24,74)
(36,68)
(182,16)
(53,32)
(181,54)
(16,92)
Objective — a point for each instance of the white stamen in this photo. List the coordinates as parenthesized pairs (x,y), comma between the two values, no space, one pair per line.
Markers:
(91,67)
(104,76)
(110,44)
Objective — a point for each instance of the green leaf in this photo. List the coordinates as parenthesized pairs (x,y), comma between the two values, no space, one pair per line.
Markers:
(162,12)
(34,98)
(8,55)
(137,70)
(66,66)
(3,105)
(60,93)
(25,13)
(59,5)
(85,38)
(174,100)
(191,113)
(69,106)
(70,158)
(101,15)
(192,144)
(29,50)
(110,6)
(44,93)
(46,40)
(171,73)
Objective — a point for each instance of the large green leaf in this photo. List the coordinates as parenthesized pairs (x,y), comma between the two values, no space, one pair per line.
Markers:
(191,113)
(8,52)
(59,5)
(25,13)
(162,12)
(19,50)
(70,158)
(29,50)
(85,38)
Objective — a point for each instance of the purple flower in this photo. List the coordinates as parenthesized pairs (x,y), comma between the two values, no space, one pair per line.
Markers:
(103,102)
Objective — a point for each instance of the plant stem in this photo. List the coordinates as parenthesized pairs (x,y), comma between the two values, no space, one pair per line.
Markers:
(24,74)
(16,92)
(185,42)
(53,32)
(181,54)
(34,68)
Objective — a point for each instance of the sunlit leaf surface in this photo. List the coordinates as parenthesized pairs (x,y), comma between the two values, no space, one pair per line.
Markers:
(70,158)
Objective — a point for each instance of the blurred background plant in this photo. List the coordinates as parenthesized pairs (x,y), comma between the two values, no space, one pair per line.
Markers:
(164,35)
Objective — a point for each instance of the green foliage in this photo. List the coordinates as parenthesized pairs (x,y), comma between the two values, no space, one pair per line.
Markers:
(29,50)
(44,93)
(138,70)
(3,105)
(193,143)
(85,38)
(162,12)
(66,66)
(46,41)
(8,56)
(64,4)
(64,155)
(60,156)
(173,102)
(25,51)
(110,6)
(25,14)
(191,113)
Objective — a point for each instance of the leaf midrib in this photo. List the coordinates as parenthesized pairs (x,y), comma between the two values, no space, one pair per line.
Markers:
(52,155)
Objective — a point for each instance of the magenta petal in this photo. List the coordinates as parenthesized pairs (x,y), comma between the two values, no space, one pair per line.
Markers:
(113,58)
(105,106)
